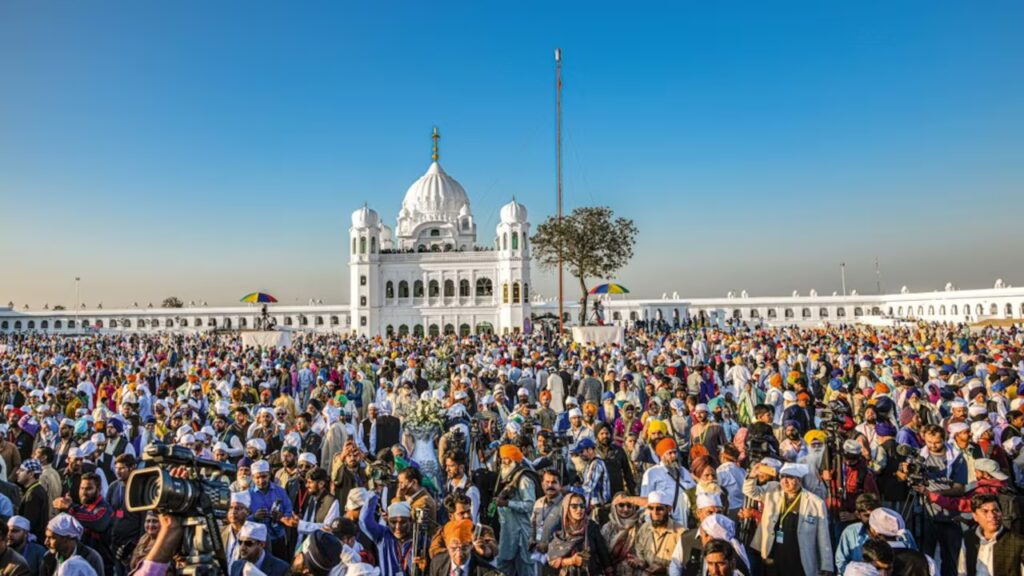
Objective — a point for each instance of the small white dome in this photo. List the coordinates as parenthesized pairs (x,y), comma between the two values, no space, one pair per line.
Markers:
(386,234)
(365,217)
(513,213)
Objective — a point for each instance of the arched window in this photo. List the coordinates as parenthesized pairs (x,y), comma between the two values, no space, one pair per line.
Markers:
(823,313)
(390,330)
(417,289)
(1022,308)
(354,246)
(31,324)
(335,321)
(484,328)
(890,310)
(515,241)
(876,310)
(373,244)
(772,313)
(931,310)
(616,316)
(389,289)
(45,324)
(754,313)
(303,321)
(127,323)
(858,312)
(403,289)
(980,310)
(737,314)
(99,324)
(993,309)
(434,331)
(17,324)
(526,292)
(504,293)
(57,325)
(1009,311)
(524,240)
(287,320)
(319,320)
(806,312)
(463,288)
(403,330)
(4,325)
(632,316)
(417,330)
(515,293)
(464,330)
(362,244)
(170,323)
(942,310)
(212,322)
(504,241)
(900,313)
(449,329)
(449,289)
(435,289)
(484,287)
(920,311)
(840,312)
(71,324)
(789,312)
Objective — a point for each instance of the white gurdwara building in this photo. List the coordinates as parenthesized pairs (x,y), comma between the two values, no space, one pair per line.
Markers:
(428,275)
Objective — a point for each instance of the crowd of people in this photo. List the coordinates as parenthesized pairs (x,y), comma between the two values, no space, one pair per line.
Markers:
(686,451)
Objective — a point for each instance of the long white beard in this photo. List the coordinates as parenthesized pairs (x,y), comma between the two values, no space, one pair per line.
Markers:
(506,471)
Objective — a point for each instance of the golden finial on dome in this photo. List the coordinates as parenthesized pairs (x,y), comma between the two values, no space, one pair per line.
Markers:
(436,136)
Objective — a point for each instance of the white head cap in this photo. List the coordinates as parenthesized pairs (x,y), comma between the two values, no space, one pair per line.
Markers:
(253,531)
(886,522)
(242,498)
(659,497)
(356,499)
(260,466)
(308,458)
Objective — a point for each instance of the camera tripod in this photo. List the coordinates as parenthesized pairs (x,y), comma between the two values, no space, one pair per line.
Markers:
(201,547)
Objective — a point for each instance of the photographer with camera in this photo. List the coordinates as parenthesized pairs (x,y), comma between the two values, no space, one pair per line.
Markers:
(936,467)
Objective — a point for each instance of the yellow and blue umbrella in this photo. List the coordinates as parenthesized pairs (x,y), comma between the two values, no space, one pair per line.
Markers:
(256,297)
(610,288)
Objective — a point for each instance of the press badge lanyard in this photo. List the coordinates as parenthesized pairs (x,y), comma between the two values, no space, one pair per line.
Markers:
(785,513)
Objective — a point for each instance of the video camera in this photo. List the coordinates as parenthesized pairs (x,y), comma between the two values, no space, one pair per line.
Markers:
(834,414)
(199,500)
(916,475)
(153,487)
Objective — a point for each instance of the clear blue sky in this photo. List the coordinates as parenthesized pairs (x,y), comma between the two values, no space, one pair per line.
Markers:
(207,149)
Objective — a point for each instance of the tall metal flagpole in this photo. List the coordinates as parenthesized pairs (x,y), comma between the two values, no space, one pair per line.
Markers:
(558,161)
(842,271)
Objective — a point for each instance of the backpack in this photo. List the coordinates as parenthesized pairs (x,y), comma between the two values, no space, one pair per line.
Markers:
(1011,503)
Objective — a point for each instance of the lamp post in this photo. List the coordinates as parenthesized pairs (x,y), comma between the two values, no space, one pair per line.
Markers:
(78,281)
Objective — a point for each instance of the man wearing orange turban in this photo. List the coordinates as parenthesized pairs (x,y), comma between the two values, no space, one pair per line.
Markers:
(510,452)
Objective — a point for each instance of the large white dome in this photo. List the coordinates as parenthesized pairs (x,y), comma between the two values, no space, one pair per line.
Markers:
(365,217)
(513,213)
(435,196)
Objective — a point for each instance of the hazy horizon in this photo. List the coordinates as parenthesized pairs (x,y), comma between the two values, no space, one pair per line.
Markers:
(207,151)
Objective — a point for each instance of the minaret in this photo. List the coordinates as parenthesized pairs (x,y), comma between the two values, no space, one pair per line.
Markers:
(364,271)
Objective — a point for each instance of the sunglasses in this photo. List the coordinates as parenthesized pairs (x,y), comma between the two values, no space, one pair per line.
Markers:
(247,542)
